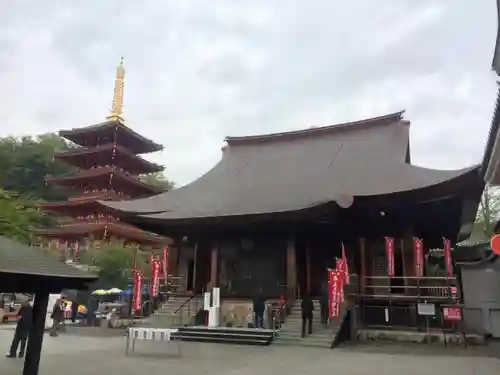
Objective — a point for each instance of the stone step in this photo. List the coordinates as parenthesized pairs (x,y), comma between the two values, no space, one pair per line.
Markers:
(302,343)
(297,335)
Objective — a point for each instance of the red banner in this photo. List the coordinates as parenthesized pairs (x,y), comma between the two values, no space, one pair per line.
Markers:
(389,254)
(452,314)
(165,264)
(447,256)
(155,277)
(334,292)
(137,298)
(342,276)
(345,266)
(418,256)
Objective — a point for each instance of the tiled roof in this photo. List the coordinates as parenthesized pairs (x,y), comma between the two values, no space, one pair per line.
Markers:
(297,170)
(17,258)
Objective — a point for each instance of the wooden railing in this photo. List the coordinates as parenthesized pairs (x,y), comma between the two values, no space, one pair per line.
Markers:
(421,288)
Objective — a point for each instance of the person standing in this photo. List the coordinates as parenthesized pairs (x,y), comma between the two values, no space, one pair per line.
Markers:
(74,311)
(259,306)
(323,302)
(23,327)
(307,308)
(57,316)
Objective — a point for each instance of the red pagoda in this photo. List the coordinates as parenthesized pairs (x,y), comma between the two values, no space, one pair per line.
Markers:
(106,155)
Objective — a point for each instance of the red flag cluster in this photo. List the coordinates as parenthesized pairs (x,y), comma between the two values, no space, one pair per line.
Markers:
(336,279)
(158,267)
(418,256)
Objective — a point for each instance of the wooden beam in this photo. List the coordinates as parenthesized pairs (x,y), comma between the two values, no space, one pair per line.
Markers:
(308,269)
(362,274)
(291,268)
(195,256)
(214,261)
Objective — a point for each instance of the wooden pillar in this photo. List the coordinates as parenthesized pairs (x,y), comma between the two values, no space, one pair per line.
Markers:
(403,262)
(308,269)
(214,262)
(35,339)
(173,259)
(291,268)
(362,273)
(195,256)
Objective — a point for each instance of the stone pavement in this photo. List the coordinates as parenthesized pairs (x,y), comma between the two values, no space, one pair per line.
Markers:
(80,355)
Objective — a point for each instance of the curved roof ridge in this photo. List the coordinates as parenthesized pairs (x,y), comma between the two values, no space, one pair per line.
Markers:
(396,116)
(102,125)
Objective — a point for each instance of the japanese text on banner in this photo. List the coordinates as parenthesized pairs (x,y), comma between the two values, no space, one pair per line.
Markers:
(389,253)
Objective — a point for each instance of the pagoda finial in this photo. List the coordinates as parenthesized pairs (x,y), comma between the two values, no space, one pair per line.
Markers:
(117,107)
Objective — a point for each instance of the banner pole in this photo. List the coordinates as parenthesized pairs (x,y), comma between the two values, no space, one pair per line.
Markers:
(131,302)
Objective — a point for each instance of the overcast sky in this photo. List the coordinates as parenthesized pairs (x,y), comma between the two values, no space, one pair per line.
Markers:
(198,71)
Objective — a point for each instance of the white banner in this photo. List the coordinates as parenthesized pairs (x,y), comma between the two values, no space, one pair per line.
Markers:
(206,301)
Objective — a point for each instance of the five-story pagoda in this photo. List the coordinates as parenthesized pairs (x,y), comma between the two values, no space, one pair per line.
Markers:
(106,155)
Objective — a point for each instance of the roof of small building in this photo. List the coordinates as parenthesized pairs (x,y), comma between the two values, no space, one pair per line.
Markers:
(16,258)
(296,170)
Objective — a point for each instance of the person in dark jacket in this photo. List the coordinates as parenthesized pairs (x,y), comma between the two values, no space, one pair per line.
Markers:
(74,311)
(259,306)
(57,317)
(307,307)
(323,302)
(23,327)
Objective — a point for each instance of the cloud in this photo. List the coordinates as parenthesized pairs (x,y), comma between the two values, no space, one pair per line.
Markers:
(198,71)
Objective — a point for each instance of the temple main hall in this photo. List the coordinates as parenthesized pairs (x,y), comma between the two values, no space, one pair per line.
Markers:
(273,213)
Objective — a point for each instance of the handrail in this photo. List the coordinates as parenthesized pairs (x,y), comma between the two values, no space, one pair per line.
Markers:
(183,304)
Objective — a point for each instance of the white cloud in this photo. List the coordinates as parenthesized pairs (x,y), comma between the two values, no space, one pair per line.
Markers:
(198,71)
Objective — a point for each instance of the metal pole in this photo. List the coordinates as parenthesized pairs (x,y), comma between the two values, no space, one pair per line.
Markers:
(274,325)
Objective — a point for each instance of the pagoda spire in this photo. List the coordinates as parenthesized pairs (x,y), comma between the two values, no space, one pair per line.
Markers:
(117,106)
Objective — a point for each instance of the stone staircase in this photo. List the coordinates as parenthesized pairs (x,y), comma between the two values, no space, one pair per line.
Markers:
(290,332)
(170,314)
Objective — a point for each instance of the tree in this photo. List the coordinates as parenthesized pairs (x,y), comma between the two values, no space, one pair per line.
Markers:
(18,216)
(25,162)
(488,214)
(114,261)
(158,179)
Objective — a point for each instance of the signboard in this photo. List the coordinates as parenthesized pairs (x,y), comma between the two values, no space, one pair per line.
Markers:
(454,292)
(426,309)
(216,297)
(389,253)
(452,314)
(495,244)
(206,301)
